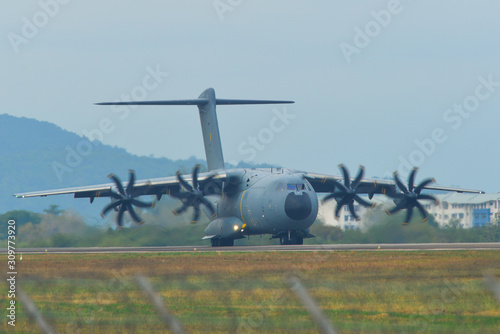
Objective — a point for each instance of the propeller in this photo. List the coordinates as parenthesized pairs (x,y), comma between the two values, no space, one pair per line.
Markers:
(346,194)
(410,196)
(125,199)
(192,196)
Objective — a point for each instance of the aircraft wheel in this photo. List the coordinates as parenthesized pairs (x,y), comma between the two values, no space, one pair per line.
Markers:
(227,242)
(216,242)
(291,238)
(297,240)
(286,239)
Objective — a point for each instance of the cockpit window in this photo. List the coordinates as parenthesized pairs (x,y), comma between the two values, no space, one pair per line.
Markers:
(296,187)
(280,187)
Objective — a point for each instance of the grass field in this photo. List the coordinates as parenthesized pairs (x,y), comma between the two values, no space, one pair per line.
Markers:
(210,292)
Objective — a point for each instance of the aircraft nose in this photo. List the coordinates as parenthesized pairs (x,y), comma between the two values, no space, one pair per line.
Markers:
(298,207)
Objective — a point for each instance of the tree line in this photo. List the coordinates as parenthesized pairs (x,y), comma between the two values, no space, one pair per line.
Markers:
(64,228)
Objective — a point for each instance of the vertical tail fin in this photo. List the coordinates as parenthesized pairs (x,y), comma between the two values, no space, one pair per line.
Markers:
(210,130)
(208,117)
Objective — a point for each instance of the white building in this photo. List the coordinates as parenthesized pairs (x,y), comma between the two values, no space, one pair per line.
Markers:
(346,221)
(469,210)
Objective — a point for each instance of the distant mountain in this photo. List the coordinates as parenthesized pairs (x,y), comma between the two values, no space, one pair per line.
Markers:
(39,155)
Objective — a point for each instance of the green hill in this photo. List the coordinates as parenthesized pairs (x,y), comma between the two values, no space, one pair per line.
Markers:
(40,155)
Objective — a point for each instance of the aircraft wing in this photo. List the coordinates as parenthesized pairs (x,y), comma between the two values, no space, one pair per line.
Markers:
(323,183)
(157,187)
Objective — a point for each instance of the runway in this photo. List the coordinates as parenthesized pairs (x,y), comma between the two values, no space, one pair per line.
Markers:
(267,248)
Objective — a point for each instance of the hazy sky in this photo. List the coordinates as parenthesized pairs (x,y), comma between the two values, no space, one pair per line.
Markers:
(381,83)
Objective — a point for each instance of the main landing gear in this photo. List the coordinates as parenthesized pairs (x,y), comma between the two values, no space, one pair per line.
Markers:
(291,238)
(216,242)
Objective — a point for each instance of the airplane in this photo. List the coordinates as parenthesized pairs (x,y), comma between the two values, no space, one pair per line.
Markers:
(240,202)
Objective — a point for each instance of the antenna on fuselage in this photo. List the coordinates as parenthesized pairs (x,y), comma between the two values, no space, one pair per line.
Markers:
(206,103)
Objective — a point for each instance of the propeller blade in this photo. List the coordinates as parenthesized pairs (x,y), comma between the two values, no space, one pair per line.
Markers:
(399,183)
(340,204)
(428,197)
(131,181)
(353,212)
(411,179)
(133,214)
(195,176)
(186,185)
(359,177)
(361,201)
(396,195)
(194,194)
(423,184)
(409,214)
(342,188)
(347,179)
(181,209)
(346,193)
(207,204)
(400,206)
(142,204)
(196,214)
(125,199)
(116,196)
(119,217)
(109,207)
(410,197)
(118,183)
(328,197)
(420,208)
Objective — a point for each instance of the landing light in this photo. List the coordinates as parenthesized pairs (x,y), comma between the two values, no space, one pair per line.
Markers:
(236,227)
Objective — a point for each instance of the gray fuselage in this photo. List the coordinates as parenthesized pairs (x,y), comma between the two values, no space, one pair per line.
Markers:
(269,201)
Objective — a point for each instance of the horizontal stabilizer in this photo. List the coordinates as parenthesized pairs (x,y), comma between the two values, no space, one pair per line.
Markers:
(197,102)
(231,101)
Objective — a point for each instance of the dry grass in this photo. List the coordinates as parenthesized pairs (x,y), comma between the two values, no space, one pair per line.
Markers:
(389,292)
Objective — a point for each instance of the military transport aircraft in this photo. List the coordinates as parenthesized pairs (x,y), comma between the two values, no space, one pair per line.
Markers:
(240,202)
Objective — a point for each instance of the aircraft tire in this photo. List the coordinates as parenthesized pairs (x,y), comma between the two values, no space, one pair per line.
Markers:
(216,242)
(294,239)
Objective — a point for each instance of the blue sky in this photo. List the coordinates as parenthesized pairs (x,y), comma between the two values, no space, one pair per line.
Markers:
(419,84)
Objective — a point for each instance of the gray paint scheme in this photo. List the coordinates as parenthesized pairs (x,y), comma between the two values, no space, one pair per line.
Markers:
(210,130)
(277,201)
